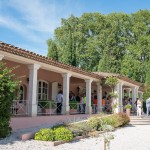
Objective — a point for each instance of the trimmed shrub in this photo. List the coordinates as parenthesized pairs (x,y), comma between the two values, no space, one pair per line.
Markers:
(61,133)
(55,134)
(45,134)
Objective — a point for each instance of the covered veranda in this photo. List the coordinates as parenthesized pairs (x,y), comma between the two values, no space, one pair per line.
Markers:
(43,77)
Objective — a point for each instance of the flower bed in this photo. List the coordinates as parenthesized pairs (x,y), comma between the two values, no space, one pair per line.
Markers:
(91,127)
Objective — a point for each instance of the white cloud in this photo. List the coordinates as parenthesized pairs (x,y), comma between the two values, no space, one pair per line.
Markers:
(13,24)
(34,20)
(39,15)
(35,17)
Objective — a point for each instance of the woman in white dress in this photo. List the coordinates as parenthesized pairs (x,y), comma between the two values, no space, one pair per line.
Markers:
(139,107)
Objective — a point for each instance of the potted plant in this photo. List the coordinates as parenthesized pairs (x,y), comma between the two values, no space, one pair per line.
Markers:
(128,108)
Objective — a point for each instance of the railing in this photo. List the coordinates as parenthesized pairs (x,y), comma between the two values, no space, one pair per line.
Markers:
(76,108)
(47,107)
(20,107)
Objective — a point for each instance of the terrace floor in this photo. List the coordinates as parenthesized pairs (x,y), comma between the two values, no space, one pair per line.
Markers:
(18,123)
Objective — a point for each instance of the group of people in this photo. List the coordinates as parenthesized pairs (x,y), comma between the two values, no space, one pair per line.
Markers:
(81,99)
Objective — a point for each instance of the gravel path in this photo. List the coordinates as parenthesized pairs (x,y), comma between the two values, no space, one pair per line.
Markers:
(127,138)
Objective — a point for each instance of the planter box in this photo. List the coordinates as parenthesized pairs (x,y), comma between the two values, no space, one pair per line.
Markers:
(128,112)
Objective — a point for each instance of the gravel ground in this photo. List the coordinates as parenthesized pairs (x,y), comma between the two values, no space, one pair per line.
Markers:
(126,138)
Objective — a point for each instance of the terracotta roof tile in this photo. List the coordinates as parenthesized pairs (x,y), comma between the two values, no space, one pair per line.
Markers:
(33,56)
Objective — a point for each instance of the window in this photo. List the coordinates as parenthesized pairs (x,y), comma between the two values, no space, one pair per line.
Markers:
(42,90)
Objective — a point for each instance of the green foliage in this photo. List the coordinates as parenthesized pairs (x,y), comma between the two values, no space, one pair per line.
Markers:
(111,81)
(45,134)
(128,106)
(8,89)
(76,131)
(112,94)
(113,120)
(84,42)
(95,123)
(62,133)
(54,134)
(79,129)
(52,49)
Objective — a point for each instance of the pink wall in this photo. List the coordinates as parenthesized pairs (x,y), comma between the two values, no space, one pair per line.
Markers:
(22,73)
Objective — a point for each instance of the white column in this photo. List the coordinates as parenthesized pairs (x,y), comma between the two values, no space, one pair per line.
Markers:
(134,97)
(33,69)
(1,57)
(66,83)
(99,97)
(54,90)
(128,92)
(123,92)
(88,96)
(141,95)
(118,90)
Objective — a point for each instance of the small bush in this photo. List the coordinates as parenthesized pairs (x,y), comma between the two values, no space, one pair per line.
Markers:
(79,129)
(113,120)
(95,123)
(45,135)
(124,118)
(55,134)
(61,133)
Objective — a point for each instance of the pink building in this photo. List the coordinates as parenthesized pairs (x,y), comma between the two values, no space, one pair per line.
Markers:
(42,78)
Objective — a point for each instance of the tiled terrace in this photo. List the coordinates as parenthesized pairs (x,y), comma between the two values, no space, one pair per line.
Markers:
(18,123)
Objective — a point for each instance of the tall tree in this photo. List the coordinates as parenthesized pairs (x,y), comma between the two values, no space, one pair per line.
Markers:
(117,43)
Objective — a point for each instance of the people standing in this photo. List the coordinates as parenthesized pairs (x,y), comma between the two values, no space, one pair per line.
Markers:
(59,100)
(139,107)
(103,103)
(95,103)
(84,103)
(81,105)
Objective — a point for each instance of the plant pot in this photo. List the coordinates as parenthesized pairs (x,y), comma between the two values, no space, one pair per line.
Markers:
(128,112)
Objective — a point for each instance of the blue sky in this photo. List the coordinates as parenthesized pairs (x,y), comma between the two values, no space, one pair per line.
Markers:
(29,23)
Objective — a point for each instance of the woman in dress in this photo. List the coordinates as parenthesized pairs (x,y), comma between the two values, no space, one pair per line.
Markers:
(139,107)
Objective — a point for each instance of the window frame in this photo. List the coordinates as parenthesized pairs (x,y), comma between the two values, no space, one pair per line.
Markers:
(42,92)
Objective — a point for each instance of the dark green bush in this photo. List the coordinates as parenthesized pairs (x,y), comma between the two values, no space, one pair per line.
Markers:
(8,89)
(45,135)
(61,133)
